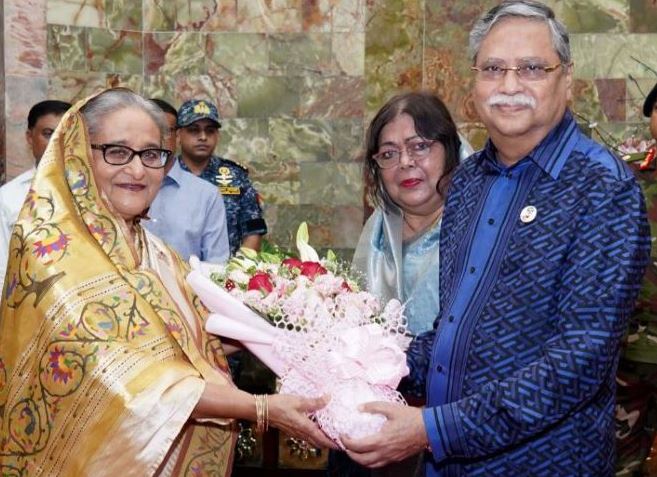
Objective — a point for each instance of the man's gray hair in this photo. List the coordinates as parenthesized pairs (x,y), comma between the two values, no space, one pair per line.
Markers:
(117,99)
(521,9)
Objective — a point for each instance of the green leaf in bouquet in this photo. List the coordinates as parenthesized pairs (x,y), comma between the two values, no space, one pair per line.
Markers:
(635,156)
(249,253)
(268,257)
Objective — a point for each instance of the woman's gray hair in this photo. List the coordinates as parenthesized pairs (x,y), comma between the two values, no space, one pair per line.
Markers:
(117,99)
(521,9)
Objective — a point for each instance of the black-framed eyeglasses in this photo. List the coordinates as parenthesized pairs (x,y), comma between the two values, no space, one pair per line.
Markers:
(119,155)
(528,71)
(391,156)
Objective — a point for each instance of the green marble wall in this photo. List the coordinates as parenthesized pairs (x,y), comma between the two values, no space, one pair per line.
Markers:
(297,80)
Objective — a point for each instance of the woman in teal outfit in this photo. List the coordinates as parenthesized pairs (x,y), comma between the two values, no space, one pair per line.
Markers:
(412,148)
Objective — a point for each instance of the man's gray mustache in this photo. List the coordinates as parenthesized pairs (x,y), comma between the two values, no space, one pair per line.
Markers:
(511,100)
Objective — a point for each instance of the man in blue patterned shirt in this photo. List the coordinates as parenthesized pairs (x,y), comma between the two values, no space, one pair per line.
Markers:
(198,133)
(543,246)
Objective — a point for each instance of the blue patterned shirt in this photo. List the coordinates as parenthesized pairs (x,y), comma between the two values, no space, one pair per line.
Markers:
(540,266)
(243,212)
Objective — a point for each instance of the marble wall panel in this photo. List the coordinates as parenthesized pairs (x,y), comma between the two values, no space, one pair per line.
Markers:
(25,37)
(301,140)
(393,49)
(21,92)
(600,16)
(176,89)
(349,15)
(74,85)
(300,54)
(446,68)
(77,12)
(333,183)
(643,16)
(214,15)
(637,90)
(115,51)
(264,96)
(67,48)
(332,97)
(123,15)
(269,16)
(332,227)
(316,15)
(159,15)
(278,193)
(240,53)
(612,94)
(348,53)
(173,54)
(619,50)
(113,14)
(334,15)
(297,80)
(348,140)
(586,104)
(246,141)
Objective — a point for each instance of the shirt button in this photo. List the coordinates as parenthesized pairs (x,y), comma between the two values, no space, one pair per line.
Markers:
(473,269)
(491,221)
(450,318)
(439,368)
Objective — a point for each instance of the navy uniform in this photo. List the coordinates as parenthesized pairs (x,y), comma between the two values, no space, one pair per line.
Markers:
(243,211)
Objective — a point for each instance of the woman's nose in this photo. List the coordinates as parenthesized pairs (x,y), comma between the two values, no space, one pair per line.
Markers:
(405,159)
(135,167)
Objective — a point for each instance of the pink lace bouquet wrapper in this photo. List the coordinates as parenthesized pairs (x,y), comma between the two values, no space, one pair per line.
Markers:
(321,335)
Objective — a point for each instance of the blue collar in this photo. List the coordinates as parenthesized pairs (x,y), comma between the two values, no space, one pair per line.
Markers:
(174,175)
(550,154)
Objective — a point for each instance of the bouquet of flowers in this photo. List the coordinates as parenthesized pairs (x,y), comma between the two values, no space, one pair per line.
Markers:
(307,319)
(634,149)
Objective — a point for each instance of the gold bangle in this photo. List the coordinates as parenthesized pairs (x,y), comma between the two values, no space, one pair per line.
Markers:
(262,413)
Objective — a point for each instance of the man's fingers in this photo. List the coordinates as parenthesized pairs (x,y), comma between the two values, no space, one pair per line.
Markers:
(371,460)
(379,407)
(360,446)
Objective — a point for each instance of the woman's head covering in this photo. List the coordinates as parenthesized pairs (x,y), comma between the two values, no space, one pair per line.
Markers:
(86,333)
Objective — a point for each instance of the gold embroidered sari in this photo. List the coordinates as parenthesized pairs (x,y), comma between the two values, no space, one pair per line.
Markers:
(103,355)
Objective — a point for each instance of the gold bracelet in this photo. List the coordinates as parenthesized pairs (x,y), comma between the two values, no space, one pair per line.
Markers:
(262,413)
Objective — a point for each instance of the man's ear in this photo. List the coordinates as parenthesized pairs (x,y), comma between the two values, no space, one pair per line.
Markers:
(569,82)
(28,137)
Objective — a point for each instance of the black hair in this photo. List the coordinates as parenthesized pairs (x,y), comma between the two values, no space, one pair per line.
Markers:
(164,106)
(432,121)
(51,106)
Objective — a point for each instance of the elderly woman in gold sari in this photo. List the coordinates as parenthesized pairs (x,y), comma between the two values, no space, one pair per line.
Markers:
(105,366)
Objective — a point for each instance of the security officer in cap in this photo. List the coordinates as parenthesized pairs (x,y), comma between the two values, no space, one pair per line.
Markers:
(636,401)
(198,133)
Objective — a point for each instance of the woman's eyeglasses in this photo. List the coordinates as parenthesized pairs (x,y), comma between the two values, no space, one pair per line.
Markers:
(390,157)
(118,155)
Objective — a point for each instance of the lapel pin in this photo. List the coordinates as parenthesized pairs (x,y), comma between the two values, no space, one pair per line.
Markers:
(528,214)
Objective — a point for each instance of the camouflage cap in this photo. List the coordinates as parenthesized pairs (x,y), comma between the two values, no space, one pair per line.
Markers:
(650,102)
(196,109)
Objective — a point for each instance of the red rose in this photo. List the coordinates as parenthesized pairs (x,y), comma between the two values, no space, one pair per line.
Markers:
(229,285)
(312,269)
(260,281)
(345,286)
(291,263)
